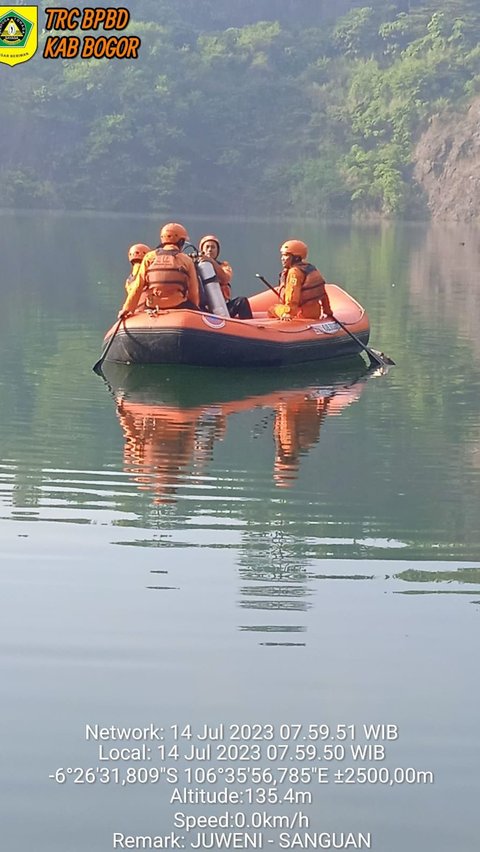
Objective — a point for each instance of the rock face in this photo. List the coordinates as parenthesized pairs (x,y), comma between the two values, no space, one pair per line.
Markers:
(447,166)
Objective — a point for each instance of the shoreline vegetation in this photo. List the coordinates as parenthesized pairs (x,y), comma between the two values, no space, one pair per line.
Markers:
(263,108)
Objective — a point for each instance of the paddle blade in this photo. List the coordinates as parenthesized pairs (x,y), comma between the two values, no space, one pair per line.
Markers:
(97,368)
(380,358)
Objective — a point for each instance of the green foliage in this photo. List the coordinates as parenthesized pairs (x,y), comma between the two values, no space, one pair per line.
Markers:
(354,34)
(316,184)
(242,107)
(24,188)
(376,179)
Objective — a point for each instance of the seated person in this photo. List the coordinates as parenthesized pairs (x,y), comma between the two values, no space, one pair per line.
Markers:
(209,249)
(136,253)
(302,286)
(166,276)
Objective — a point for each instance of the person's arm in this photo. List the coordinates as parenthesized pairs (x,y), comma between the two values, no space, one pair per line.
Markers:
(293,288)
(325,301)
(227,269)
(131,278)
(225,275)
(135,289)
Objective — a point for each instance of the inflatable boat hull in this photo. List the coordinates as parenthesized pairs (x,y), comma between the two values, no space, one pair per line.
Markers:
(200,339)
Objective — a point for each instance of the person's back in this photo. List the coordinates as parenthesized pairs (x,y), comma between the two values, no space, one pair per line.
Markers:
(166,275)
(166,278)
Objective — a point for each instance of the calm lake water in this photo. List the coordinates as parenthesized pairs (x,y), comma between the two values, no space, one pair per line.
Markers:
(276,574)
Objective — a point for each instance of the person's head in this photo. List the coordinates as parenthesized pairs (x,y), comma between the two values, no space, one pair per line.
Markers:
(209,246)
(293,251)
(173,234)
(137,252)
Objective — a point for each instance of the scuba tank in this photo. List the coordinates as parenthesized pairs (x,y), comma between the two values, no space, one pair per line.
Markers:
(214,298)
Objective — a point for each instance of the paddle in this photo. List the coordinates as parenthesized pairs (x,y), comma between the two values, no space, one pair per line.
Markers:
(267,284)
(97,368)
(375,357)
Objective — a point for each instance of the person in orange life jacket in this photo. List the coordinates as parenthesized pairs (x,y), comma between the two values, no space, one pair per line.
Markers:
(302,285)
(209,249)
(166,276)
(136,253)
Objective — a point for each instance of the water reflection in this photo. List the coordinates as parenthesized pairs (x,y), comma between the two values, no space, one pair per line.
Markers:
(297,424)
(443,279)
(171,420)
(463,575)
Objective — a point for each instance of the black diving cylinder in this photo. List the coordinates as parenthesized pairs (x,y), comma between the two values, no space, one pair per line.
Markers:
(213,292)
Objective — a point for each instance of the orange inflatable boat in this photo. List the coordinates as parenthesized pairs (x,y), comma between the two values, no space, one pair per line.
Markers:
(206,339)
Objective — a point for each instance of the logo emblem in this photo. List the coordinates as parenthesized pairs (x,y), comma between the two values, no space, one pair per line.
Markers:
(325,328)
(213,321)
(18,33)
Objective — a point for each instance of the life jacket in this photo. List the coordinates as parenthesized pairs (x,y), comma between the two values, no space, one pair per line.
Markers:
(224,273)
(131,278)
(166,280)
(313,287)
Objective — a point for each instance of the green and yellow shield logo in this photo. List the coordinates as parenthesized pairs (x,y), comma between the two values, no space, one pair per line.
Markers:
(18,33)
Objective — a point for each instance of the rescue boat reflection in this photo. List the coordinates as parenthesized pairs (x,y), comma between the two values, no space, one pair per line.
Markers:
(171,424)
(297,424)
(163,442)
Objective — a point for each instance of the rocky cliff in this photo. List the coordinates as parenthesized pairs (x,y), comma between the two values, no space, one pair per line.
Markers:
(447,166)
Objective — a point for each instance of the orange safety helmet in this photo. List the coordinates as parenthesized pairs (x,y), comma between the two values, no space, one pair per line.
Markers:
(295,247)
(206,239)
(137,252)
(173,233)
